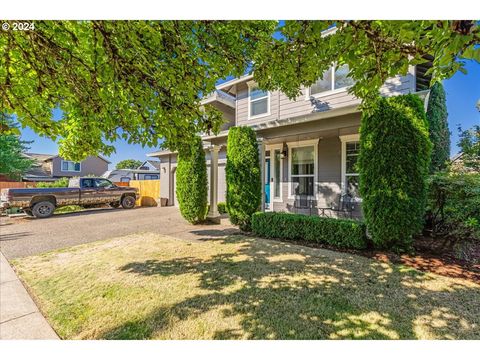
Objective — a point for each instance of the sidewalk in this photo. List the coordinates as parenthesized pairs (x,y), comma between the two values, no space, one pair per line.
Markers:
(19,315)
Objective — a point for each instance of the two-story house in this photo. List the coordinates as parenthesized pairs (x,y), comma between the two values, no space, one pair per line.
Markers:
(52,167)
(308,146)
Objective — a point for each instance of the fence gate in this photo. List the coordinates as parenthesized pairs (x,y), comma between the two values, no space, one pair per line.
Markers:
(149,192)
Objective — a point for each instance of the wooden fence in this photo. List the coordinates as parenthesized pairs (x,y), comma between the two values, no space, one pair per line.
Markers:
(16,184)
(149,192)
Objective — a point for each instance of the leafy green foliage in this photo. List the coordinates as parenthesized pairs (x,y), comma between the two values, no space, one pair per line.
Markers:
(394,161)
(374,50)
(338,232)
(469,144)
(129,164)
(141,81)
(13,163)
(242,172)
(454,204)
(63,182)
(222,207)
(191,184)
(438,127)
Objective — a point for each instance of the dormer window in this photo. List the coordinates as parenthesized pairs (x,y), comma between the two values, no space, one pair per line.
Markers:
(335,78)
(258,102)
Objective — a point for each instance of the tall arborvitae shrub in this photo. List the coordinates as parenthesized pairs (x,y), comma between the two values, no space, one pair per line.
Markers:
(438,127)
(192,182)
(244,192)
(394,162)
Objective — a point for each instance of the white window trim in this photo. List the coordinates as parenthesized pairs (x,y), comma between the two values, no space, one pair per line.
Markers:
(345,139)
(329,92)
(64,161)
(252,84)
(272,149)
(297,144)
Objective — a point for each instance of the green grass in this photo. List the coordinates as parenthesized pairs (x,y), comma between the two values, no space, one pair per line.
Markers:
(155,287)
(68,209)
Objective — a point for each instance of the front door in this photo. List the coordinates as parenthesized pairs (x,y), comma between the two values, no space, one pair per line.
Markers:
(267,184)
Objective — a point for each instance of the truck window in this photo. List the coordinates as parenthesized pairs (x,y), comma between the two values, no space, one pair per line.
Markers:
(103,183)
(87,183)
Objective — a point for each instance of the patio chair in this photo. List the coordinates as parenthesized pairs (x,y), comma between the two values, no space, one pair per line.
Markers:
(303,202)
(346,206)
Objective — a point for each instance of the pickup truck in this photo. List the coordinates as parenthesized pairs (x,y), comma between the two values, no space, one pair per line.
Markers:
(84,191)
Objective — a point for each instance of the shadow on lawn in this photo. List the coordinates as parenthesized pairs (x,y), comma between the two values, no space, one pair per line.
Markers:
(287,292)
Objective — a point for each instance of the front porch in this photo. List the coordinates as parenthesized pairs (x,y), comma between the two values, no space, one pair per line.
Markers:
(311,173)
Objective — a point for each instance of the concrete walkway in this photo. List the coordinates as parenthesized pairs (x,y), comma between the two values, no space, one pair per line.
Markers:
(19,315)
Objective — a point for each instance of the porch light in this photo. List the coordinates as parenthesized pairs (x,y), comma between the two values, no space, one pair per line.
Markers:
(284,151)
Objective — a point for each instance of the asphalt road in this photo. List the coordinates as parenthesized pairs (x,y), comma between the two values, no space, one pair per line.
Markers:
(21,237)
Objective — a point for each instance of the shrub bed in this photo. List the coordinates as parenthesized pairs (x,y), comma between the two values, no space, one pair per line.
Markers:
(394,162)
(453,207)
(338,232)
(222,207)
(192,182)
(242,173)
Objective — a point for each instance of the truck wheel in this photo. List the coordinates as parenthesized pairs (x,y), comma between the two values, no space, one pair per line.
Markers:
(128,202)
(43,209)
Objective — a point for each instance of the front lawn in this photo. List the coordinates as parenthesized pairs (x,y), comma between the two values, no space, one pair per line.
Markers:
(155,287)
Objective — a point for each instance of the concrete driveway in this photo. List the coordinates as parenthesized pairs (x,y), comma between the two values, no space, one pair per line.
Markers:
(28,236)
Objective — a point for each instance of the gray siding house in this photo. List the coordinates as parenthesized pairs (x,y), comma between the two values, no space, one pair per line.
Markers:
(52,167)
(308,146)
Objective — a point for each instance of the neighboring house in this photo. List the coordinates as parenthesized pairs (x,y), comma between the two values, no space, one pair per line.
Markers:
(125,175)
(308,146)
(457,163)
(52,167)
(153,165)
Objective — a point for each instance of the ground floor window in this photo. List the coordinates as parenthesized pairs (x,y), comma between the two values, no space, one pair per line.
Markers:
(350,174)
(151,177)
(302,170)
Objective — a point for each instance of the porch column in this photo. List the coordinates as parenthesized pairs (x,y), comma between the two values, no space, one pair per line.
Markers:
(213,214)
(261,151)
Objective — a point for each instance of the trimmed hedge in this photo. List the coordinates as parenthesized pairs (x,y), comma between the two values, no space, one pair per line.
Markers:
(222,207)
(438,127)
(242,172)
(394,162)
(192,182)
(338,232)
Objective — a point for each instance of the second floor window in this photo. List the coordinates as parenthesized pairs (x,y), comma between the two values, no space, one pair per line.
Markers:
(259,102)
(333,79)
(70,166)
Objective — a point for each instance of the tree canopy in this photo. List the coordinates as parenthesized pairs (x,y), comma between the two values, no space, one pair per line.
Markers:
(13,163)
(373,51)
(469,144)
(143,81)
(129,164)
(137,80)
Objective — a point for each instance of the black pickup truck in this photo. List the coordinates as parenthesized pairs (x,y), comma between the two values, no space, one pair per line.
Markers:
(85,191)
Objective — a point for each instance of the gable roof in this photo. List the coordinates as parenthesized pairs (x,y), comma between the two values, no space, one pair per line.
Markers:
(46,157)
(40,157)
(154,163)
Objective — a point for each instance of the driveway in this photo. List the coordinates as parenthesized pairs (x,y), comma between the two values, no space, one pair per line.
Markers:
(28,236)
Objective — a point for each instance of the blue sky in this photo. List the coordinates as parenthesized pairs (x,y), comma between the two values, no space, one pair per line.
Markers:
(463,91)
